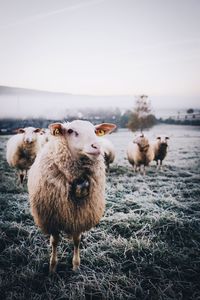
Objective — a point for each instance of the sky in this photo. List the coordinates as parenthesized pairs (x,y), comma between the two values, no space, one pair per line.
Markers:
(103,48)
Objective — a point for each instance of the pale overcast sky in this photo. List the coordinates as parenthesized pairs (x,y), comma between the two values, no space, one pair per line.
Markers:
(103,47)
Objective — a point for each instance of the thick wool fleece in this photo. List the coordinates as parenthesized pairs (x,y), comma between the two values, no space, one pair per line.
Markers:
(54,205)
(19,154)
(136,157)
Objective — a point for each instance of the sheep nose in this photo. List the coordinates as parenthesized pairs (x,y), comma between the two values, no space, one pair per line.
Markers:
(28,141)
(94,149)
(95,146)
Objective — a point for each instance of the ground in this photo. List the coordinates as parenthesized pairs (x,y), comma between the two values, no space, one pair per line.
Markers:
(147,245)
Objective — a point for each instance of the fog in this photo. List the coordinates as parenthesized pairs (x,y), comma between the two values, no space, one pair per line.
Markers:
(20,103)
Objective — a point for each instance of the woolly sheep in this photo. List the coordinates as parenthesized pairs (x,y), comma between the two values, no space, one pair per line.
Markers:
(66,183)
(140,152)
(22,149)
(108,150)
(160,150)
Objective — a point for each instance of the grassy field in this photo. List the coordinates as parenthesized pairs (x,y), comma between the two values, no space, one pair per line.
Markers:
(147,246)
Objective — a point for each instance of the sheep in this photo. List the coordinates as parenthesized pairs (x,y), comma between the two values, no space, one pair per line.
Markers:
(44,136)
(109,151)
(66,183)
(22,149)
(160,150)
(139,153)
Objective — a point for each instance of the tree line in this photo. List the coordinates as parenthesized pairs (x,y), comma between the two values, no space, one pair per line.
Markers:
(139,118)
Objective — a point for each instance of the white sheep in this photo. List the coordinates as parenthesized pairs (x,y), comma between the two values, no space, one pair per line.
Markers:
(108,150)
(22,149)
(66,183)
(160,150)
(44,136)
(140,153)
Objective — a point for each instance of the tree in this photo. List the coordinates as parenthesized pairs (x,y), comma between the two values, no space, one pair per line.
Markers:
(141,117)
(190,111)
(125,118)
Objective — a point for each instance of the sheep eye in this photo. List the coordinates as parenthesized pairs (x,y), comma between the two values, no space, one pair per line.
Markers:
(21,130)
(56,131)
(70,131)
(99,132)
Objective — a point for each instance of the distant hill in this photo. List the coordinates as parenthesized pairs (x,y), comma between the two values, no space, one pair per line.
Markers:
(22,103)
(30,103)
(27,103)
(6,90)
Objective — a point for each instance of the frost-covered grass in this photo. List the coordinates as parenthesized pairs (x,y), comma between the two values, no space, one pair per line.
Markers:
(147,245)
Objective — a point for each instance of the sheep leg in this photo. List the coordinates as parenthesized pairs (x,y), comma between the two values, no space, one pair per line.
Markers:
(21,177)
(54,239)
(144,171)
(107,168)
(76,256)
(141,170)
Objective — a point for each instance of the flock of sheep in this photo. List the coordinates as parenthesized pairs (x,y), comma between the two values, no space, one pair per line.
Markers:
(141,152)
(66,175)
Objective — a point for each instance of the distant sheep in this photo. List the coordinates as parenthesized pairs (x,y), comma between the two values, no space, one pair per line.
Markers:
(140,153)
(108,150)
(22,149)
(44,136)
(160,150)
(66,183)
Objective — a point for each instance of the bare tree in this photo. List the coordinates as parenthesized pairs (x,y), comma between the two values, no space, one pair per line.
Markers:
(190,111)
(141,116)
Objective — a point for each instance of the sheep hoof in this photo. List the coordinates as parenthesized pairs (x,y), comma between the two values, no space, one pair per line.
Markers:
(52,267)
(76,268)
(76,264)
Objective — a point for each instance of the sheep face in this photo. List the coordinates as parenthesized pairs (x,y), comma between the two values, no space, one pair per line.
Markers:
(141,140)
(81,136)
(29,134)
(163,142)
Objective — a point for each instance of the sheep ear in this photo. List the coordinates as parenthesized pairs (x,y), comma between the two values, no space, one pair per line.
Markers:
(104,128)
(20,130)
(56,129)
(38,130)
